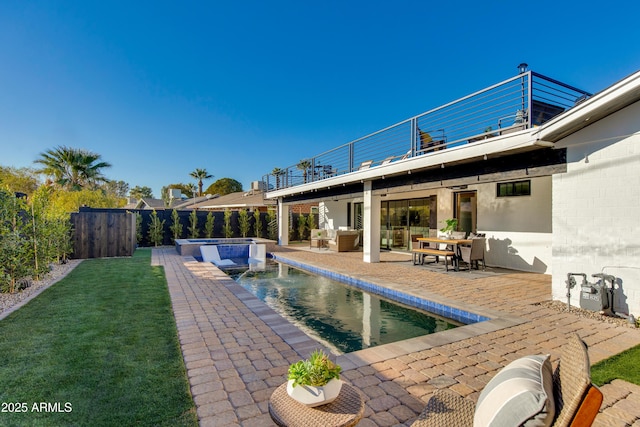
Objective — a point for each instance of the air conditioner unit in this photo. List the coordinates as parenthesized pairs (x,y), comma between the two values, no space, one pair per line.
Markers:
(257,185)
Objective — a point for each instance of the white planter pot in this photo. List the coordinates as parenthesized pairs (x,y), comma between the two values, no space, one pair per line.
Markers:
(315,396)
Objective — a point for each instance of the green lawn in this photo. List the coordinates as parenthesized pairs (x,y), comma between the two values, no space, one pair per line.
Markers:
(99,348)
(622,366)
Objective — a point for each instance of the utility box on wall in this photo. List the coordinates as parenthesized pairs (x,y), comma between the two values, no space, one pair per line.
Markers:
(100,234)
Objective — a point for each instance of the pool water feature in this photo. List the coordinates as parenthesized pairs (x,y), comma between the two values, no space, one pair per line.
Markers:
(340,316)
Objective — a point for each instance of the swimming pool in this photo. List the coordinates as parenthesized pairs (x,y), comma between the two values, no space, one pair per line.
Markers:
(340,316)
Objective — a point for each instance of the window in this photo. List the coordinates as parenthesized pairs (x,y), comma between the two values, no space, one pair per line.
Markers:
(515,188)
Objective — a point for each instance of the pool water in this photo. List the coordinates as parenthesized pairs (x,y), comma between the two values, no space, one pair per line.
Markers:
(342,317)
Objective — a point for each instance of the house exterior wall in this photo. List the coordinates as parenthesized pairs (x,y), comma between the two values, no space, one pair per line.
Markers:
(332,214)
(596,208)
(518,229)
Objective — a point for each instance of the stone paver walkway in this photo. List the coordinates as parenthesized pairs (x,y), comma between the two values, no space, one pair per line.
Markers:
(237,350)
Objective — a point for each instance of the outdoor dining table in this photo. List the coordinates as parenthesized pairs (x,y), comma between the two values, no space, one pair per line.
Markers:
(456,243)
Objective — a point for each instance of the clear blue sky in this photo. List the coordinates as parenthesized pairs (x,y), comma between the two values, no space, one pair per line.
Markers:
(160,88)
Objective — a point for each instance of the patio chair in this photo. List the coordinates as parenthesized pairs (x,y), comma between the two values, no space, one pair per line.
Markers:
(365,165)
(474,253)
(576,401)
(387,160)
(210,254)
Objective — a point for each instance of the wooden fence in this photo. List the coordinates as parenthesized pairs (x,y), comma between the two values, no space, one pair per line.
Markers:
(99,234)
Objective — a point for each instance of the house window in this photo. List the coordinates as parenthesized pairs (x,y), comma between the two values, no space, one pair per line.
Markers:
(514,188)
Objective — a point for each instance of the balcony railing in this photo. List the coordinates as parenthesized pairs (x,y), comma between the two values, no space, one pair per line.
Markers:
(521,102)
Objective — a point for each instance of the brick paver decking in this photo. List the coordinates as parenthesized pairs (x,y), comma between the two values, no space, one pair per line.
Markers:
(237,350)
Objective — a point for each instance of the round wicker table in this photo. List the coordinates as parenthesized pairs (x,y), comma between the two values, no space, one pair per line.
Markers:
(346,410)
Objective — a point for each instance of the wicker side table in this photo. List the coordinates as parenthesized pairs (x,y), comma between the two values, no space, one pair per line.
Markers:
(346,410)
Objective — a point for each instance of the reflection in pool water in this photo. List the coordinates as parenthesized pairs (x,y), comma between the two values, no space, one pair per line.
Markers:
(343,318)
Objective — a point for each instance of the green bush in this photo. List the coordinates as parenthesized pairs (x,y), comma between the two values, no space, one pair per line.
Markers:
(272,225)
(208,225)
(228,231)
(32,236)
(193,225)
(302,226)
(176,226)
(156,229)
(257,222)
(243,222)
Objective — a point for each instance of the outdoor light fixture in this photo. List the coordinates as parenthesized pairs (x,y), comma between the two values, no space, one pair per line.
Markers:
(522,68)
(442,166)
(485,157)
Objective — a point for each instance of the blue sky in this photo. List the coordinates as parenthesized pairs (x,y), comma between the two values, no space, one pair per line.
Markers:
(161,88)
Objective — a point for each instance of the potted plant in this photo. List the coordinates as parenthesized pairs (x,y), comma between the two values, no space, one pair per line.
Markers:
(452,225)
(314,381)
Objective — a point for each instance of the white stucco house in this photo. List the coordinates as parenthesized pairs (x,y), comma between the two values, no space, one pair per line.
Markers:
(548,172)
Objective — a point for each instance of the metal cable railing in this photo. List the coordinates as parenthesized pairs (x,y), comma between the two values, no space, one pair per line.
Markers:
(520,102)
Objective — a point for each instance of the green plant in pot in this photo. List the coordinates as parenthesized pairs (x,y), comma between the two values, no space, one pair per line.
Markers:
(314,381)
(450,227)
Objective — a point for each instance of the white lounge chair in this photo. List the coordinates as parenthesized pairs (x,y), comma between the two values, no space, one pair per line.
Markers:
(365,165)
(210,254)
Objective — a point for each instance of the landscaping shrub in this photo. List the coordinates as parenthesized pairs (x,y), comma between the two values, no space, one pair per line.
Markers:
(32,236)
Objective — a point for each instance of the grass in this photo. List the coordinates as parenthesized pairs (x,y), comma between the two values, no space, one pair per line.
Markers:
(622,366)
(100,347)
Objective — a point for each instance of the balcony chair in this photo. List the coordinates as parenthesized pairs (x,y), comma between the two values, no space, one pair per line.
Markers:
(563,398)
(365,165)
(474,253)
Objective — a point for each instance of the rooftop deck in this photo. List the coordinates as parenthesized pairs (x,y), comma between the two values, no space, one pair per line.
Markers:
(519,103)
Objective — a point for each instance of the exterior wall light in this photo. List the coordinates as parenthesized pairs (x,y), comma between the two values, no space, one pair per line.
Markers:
(522,68)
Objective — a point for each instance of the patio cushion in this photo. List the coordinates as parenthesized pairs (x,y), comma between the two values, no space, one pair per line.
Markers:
(521,394)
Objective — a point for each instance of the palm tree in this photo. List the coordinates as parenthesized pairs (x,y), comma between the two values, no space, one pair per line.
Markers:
(72,168)
(200,175)
(277,172)
(304,166)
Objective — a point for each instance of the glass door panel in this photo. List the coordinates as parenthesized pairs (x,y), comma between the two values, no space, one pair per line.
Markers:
(399,223)
(466,211)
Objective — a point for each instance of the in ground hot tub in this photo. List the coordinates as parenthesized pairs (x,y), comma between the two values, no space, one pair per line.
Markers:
(191,247)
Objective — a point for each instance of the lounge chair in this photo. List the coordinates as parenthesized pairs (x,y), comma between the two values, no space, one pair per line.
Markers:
(575,399)
(210,254)
(365,165)
(387,160)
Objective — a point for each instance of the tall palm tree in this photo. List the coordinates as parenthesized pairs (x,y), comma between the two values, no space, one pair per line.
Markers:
(200,175)
(304,166)
(72,168)
(277,172)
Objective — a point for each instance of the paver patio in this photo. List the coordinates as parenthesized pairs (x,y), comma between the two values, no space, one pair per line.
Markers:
(237,350)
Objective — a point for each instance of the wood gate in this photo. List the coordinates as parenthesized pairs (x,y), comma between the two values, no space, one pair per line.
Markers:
(99,234)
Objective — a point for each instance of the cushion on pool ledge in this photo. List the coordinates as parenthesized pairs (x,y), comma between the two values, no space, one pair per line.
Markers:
(521,394)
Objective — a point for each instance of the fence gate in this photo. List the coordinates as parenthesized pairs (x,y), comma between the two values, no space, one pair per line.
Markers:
(99,234)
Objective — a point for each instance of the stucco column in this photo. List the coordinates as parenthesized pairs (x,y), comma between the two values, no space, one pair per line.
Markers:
(283,224)
(371,224)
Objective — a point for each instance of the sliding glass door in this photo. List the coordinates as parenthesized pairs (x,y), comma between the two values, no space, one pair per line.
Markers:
(400,219)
